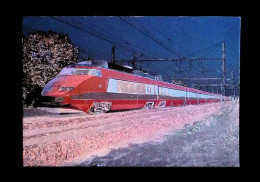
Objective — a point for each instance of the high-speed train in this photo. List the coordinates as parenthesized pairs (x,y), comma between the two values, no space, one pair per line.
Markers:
(99,86)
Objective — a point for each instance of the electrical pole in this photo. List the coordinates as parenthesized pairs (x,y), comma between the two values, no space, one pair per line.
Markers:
(173,77)
(84,55)
(133,62)
(84,58)
(113,55)
(222,86)
(223,69)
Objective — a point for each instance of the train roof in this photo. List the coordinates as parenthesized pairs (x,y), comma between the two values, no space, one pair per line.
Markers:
(113,66)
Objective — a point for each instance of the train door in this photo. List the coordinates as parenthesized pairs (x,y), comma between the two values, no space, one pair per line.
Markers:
(147,95)
(186,96)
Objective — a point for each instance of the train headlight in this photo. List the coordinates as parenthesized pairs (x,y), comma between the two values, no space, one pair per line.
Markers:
(66,88)
(59,99)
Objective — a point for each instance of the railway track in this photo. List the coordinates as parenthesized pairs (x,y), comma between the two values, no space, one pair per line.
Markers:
(55,141)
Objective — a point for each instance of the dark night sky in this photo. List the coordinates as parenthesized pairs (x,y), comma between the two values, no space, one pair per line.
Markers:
(167,37)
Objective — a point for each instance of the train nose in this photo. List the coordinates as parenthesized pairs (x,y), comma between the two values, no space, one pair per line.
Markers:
(49,86)
(61,85)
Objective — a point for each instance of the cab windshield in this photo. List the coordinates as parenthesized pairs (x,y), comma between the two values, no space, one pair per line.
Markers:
(78,71)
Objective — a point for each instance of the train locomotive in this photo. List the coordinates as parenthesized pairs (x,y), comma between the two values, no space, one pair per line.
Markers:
(99,86)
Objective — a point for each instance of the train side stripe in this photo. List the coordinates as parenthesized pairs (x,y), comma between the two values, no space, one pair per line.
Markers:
(120,96)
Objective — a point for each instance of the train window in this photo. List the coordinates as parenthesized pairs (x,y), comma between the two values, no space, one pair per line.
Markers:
(112,85)
(163,91)
(66,71)
(191,95)
(156,90)
(127,87)
(82,72)
(149,89)
(93,72)
(99,73)
(79,71)
(170,92)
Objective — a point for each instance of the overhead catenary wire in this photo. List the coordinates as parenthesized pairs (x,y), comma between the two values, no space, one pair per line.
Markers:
(95,30)
(109,36)
(202,50)
(96,53)
(156,41)
(93,34)
(159,40)
(119,40)
(168,39)
(100,36)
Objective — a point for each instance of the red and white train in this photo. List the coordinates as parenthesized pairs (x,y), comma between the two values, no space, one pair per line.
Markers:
(98,86)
